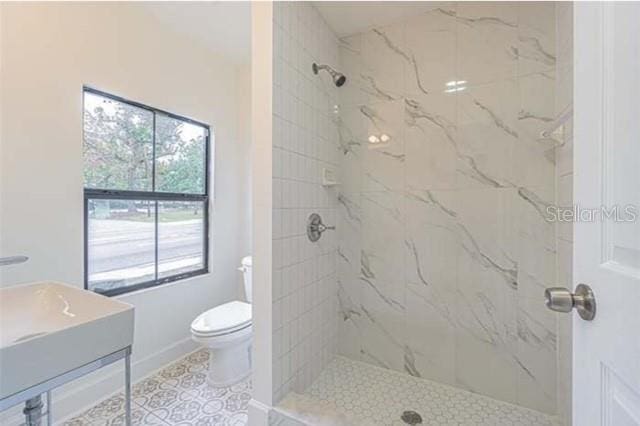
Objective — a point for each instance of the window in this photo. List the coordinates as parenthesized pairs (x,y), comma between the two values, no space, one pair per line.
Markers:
(146,195)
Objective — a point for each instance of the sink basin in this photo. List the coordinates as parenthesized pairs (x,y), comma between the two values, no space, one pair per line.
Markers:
(49,328)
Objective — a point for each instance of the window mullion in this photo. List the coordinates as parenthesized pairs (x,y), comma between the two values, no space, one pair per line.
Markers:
(153,155)
(157,242)
(142,195)
(153,189)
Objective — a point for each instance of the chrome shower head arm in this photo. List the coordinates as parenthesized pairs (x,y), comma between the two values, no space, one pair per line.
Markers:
(338,78)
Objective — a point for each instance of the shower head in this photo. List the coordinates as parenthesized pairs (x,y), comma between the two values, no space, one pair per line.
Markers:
(338,78)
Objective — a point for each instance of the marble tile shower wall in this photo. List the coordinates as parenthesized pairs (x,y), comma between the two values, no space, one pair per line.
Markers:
(305,140)
(444,248)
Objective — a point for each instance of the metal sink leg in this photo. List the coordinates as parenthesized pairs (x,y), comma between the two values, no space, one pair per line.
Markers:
(33,411)
(127,388)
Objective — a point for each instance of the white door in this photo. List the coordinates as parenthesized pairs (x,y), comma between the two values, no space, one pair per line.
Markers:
(606,351)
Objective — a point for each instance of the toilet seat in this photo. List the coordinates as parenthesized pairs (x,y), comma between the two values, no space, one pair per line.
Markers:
(222,320)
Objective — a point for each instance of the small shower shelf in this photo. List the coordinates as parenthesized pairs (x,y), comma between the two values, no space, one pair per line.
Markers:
(329,178)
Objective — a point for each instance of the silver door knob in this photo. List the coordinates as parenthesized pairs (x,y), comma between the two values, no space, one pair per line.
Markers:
(560,299)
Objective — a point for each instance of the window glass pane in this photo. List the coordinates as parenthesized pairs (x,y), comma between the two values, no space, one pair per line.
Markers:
(121,243)
(180,156)
(180,237)
(118,145)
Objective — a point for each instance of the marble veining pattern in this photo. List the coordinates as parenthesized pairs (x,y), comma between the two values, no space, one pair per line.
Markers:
(176,395)
(444,247)
(355,393)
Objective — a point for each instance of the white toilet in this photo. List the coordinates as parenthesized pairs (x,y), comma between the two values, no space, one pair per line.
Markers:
(226,330)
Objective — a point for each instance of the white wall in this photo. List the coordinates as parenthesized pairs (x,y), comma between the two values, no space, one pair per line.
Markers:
(48,52)
(261,149)
(244,159)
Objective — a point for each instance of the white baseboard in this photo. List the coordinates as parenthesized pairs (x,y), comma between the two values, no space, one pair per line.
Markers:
(77,396)
(258,413)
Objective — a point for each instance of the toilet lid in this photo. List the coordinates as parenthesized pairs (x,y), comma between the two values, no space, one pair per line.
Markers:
(223,319)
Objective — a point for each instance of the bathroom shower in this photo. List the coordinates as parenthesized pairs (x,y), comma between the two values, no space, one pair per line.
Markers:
(338,78)
(412,306)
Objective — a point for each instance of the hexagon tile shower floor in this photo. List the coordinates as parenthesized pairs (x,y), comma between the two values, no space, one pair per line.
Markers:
(355,393)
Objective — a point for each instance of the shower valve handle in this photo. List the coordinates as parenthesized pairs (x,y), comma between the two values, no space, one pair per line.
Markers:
(315,227)
(322,227)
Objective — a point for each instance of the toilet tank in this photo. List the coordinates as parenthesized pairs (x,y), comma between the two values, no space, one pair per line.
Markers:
(246,271)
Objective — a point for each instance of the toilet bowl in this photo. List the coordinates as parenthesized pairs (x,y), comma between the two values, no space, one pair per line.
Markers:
(226,331)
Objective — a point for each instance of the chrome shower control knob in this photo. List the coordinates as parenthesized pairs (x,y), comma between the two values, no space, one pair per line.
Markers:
(315,227)
(560,299)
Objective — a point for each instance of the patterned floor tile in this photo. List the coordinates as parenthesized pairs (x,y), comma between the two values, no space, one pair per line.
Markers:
(177,395)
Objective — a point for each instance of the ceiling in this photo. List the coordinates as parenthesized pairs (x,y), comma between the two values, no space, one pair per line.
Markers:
(350,17)
(223,27)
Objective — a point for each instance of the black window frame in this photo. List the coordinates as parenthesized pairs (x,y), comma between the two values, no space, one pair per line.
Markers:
(152,195)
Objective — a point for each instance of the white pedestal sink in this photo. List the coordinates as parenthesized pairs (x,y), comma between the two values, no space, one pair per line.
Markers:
(49,330)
